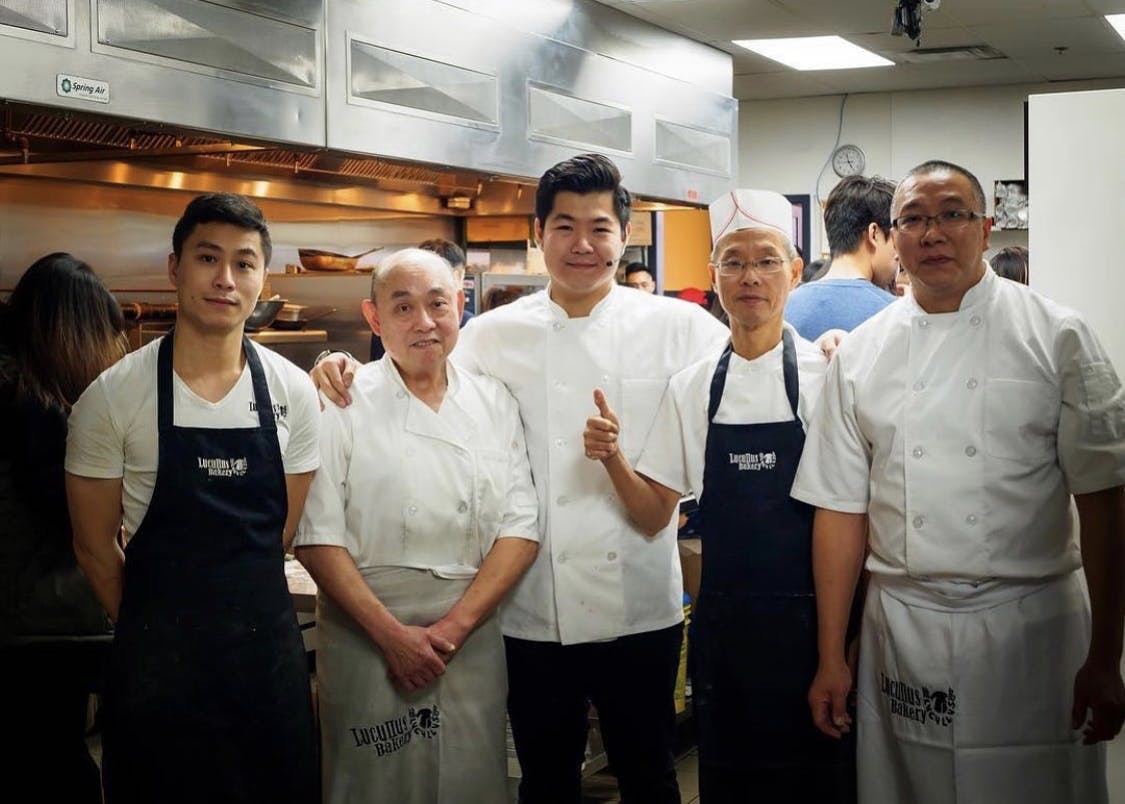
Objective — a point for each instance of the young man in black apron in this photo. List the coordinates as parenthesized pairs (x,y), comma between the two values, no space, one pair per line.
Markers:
(207,694)
(731,430)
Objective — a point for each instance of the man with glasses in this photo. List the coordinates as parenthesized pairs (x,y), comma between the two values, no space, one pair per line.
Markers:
(954,428)
(730,430)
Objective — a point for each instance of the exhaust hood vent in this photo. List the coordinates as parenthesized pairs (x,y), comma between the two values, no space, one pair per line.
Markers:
(43,16)
(555,116)
(960,53)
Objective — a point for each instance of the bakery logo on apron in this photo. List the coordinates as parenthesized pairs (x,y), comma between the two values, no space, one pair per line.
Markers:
(391,735)
(279,410)
(754,461)
(919,704)
(223,467)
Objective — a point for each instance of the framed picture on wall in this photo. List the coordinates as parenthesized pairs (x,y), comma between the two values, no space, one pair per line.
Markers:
(1010,204)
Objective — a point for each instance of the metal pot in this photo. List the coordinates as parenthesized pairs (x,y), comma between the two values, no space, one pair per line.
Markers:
(315,260)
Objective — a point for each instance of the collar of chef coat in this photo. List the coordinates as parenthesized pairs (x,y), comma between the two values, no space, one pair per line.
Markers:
(976,296)
(600,310)
(420,418)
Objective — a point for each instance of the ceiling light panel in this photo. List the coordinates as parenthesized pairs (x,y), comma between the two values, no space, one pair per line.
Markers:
(815,53)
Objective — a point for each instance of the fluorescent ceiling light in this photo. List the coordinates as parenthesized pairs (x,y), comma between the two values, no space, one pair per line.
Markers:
(1118,23)
(815,53)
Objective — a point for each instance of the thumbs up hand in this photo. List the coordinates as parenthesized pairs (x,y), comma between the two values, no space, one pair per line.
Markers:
(600,436)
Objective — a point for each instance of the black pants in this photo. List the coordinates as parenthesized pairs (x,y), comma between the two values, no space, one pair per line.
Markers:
(631,682)
(46,688)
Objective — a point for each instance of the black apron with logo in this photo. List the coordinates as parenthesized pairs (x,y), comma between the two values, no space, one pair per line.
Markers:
(753,641)
(207,694)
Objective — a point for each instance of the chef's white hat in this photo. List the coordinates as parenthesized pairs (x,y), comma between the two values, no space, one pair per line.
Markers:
(751,209)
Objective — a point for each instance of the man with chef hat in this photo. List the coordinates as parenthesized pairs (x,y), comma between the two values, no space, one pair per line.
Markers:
(953,429)
(730,430)
(599,615)
(419,522)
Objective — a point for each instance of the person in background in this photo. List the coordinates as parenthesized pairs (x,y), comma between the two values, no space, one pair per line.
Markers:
(207,443)
(640,276)
(60,329)
(857,223)
(814,270)
(599,615)
(952,431)
(1011,263)
(455,256)
(420,519)
(730,431)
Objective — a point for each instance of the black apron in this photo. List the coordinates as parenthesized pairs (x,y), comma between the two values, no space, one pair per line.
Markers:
(207,696)
(753,641)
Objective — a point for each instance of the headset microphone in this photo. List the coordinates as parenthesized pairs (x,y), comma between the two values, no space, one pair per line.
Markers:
(609,263)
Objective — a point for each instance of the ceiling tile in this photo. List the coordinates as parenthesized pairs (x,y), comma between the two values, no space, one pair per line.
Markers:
(1040,37)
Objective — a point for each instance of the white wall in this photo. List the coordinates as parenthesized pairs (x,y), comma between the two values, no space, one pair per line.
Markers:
(1077,196)
(783,144)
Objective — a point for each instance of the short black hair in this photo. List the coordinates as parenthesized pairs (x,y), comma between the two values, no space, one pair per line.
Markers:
(237,210)
(853,205)
(1011,263)
(941,166)
(814,270)
(583,174)
(447,249)
(638,267)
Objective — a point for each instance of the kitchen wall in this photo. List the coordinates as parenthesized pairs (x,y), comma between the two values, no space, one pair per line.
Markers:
(784,144)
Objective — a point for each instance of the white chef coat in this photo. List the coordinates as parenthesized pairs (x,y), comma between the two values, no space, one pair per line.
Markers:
(962,434)
(113,428)
(674,454)
(401,485)
(596,576)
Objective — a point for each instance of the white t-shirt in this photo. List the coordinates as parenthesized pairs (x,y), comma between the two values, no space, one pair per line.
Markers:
(403,485)
(113,427)
(596,575)
(963,434)
(754,394)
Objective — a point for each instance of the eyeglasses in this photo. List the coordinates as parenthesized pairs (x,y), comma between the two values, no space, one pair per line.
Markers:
(766,266)
(949,221)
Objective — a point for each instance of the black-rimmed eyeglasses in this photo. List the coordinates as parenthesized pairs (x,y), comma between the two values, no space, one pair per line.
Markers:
(949,221)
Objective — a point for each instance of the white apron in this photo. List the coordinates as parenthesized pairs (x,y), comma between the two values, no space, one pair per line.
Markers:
(444,744)
(965,694)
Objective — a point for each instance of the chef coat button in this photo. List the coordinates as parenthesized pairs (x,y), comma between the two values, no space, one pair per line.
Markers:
(561,558)
(562,499)
(975,321)
(401,394)
(559,383)
(515,445)
(918,386)
(923,323)
(605,378)
(413,509)
(560,442)
(557,326)
(918,452)
(611,556)
(971,384)
(462,507)
(970,451)
(919,521)
(971,519)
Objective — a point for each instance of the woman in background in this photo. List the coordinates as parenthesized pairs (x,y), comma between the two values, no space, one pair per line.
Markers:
(1011,263)
(60,329)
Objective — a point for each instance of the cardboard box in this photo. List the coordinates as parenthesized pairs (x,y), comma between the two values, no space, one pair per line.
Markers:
(691,563)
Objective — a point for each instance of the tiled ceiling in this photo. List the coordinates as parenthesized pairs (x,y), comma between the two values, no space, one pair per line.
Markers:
(1041,40)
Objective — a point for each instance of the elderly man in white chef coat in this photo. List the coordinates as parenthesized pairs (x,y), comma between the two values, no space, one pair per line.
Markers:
(956,425)
(421,518)
(599,616)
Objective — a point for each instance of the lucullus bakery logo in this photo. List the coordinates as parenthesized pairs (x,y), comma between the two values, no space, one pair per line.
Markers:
(223,467)
(919,704)
(754,461)
(391,735)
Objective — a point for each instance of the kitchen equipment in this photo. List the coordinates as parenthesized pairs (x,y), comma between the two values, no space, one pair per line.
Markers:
(265,311)
(297,316)
(315,260)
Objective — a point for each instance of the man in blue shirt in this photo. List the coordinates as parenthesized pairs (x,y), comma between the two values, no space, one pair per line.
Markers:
(857,222)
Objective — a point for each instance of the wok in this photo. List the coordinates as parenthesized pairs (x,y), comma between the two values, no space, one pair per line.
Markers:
(314,260)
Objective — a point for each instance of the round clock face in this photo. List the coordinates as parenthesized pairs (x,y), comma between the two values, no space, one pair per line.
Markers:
(848,160)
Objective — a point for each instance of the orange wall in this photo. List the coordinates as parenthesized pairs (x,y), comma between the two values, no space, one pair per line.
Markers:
(687,246)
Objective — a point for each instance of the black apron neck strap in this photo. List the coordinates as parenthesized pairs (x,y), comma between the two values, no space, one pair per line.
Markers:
(164,394)
(719,382)
(789,370)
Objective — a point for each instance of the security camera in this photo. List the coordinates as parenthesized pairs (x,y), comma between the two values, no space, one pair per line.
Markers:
(908,19)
